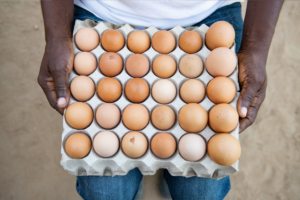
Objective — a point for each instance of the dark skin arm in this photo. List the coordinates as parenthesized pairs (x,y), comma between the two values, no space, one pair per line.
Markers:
(58,58)
(260,21)
(259,25)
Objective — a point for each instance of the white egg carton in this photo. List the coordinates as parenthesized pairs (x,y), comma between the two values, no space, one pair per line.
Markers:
(148,164)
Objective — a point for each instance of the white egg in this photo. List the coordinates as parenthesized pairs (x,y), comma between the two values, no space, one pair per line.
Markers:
(106,144)
(192,147)
(163,91)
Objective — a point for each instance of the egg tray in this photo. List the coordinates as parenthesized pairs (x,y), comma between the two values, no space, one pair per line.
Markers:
(148,164)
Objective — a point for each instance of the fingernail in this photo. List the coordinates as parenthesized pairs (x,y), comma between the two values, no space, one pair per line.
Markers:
(61,102)
(243,112)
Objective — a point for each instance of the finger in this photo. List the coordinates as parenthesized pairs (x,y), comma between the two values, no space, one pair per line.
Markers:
(246,98)
(252,111)
(244,123)
(48,88)
(60,110)
(61,85)
(51,87)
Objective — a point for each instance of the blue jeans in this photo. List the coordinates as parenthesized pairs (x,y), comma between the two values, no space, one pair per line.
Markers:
(126,187)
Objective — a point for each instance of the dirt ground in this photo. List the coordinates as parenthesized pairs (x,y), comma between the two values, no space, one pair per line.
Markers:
(31,129)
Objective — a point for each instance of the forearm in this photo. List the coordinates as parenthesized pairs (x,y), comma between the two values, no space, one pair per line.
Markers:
(259,25)
(58,18)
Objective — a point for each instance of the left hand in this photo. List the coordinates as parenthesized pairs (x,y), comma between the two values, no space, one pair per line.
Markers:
(253,84)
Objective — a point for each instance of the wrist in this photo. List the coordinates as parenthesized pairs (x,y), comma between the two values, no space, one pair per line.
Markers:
(255,45)
(57,38)
(258,48)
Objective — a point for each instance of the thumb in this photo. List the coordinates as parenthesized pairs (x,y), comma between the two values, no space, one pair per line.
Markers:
(61,84)
(247,95)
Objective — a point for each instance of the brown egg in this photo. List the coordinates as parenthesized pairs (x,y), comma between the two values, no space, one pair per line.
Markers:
(137,90)
(192,91)
(111,64)
(220,34)
(221,90)
(138,42)
(192,118)
(223,118)
(190,42)
(109,90)
(163,117)
(82,88)
(137,65)
(164,66)
(163,42)
(191,66)
(112,40)
(108,115)
(221,62)
(85,63)
(78,145)
(224,149)
(135,117)
(134,144)
(163,145)
(87,39)
(79,115)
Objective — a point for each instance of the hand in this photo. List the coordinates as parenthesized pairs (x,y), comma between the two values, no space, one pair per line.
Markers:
(56,65)
(253,84)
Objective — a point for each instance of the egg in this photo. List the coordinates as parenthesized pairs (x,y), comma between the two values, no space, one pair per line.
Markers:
(192,147)
(112,40)
(164,66)
(108,115)
(224,149)
(135,117)
(163,91)
(190,42)
(85,63)
(221,62)
(78,145)
(137,65)
(221,90)
(138,42)
(79,115)
(111,64)
(163,42)
(163,117)
(109,90)
(192,118)
(191,66)
(163,145)
(220,34)
(134,144)
(192,91)
(106,144)
(82,88)
(87,39)
(137,90)
(223,118)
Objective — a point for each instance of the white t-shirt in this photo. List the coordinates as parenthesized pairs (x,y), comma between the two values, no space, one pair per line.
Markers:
(161,14)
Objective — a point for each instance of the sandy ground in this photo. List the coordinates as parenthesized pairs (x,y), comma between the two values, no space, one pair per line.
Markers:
(31,129)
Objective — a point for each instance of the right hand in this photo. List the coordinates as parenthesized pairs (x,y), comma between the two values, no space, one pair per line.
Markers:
(56,65)
(253,82)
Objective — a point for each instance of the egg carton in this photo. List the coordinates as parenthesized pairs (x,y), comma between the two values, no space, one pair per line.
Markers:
(148,164)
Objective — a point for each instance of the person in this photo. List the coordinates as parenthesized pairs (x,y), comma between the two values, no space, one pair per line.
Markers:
(253,39)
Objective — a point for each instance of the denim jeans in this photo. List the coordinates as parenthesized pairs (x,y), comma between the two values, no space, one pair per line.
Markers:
(126,187)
